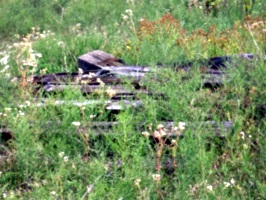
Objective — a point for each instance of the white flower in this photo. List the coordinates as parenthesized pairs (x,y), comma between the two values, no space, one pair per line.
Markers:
(227,184)
(173,142)
(91,75)
(146,134)
(160,126)
(21,106)
(76,123)
(156,177)
(137,181)
(8,109)
(61,154)
(4,195)
(80,71)
(92,116)
(232,181)
(4,60)
(111,92)
(156,134)
(60,43)
(129,12)
(124,17)
(53,193)
(242,133)
(100,81)
(1,173)
(89,188)
(27,103)
(21,113)
(39,55)
(210,187)
(65,159)
(181,126)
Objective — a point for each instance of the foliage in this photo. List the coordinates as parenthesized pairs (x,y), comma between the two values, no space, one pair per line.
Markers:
(56,152)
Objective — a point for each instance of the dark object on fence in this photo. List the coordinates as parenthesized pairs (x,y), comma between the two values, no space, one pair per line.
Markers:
(92,61)
(216,65)
(5,135)
(214,69)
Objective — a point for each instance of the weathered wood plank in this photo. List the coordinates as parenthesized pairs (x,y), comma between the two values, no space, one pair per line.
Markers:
(92,61)
(109,104)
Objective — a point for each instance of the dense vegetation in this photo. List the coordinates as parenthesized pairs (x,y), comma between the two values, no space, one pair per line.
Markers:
(48,156)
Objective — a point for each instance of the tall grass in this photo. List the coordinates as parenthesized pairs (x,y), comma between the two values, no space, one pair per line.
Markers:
(53,158)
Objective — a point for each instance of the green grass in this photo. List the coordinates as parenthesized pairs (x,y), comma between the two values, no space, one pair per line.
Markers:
(206,167)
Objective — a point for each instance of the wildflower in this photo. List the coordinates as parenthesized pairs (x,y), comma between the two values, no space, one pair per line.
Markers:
(242,135)
(181,126)
(92,116)
(4,195)
(82,108)
(44,182)
(110,92)
(21,113)
(83,82)
(156,177)
(53,193)
(100,81)
(61,154)
(1,173)
(89,188)
(136,182)
(65,159)
(80,71)
(173,142)
(232,181)
(27,103)
(156,134)
(4,60)
(124,17)
(227,184)
(129,12)
(12,194)
(39,55)
(245,146)
(43,71)
(146,134)
(73,165)
(210,187)
(8,109)
(160,126)
(60,43)
(116,24)
(90,75)
(77,124)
